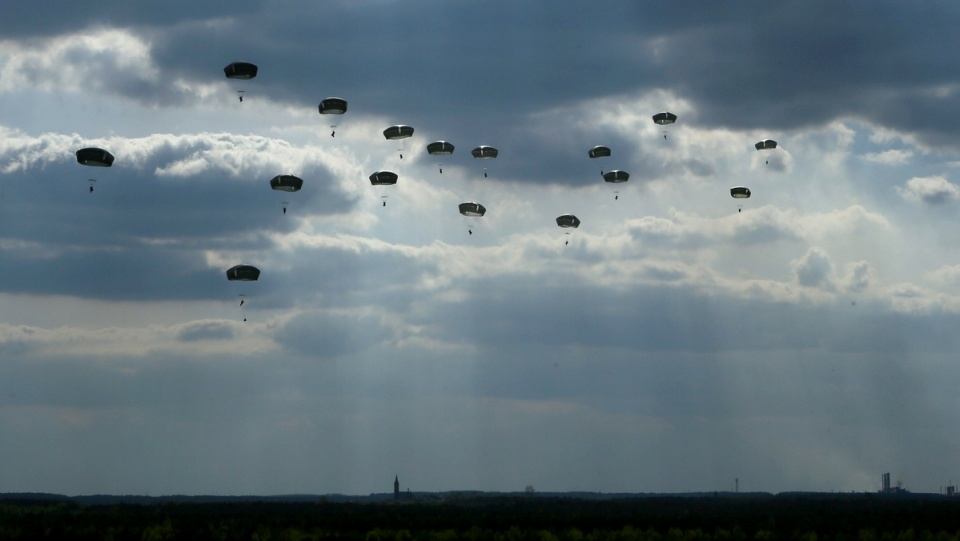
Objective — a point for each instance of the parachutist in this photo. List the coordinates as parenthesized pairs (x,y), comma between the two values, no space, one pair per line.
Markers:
(470,231)
(333,134)
(241,302)
(91,189)
(441,170)
(484,175)
(384,203)
(616,198)
(241,99)
(401,156)
(664,137)
(566,243)
(284,210)
(244,320)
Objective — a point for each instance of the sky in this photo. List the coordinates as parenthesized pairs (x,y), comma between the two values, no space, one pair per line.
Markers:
(678,340)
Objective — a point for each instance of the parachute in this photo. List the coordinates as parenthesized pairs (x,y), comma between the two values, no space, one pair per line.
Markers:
(599,151)
(240,70)
(333,106)
(616,176)
(286,183)
(398,132)
(94,157)
(740,192)
(484,152)
(472,209)
(766,144)
(243,273)
(440,148)
(664,118)
(383,178)
(568,220)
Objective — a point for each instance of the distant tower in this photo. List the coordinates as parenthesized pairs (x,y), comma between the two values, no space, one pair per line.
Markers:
(885,483)
(396,488)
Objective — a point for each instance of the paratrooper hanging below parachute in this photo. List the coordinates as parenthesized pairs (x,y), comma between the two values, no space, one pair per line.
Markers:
(440,148)
(616,177)
(399,131)
(333,106)
(740,192)
(241,71)
(484,152)
(664,118)
(383,178)
(766,144)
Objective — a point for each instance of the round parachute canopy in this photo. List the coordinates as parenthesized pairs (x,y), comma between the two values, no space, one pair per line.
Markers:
(439,148)
(765,144)
(95,157)
(240,70)
(740,192)
(599,151)
(286,183)
(243,273)
(472,209)
(616,176)
(568,220)
(484,152)
(664,118)
(383,178)
(398,132)
(333,106)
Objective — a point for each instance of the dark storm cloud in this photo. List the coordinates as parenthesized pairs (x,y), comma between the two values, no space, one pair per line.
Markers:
(25,20)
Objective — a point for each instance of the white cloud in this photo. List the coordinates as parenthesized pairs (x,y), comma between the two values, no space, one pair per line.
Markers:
(935,190)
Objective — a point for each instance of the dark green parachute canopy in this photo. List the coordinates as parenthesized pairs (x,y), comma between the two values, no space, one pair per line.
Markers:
(484,152)
(766,144)
(95,157)
(568,220)
(243,273)
(740,192)
(383,178)
(333,106)
(616,176)
(472,209)
(664,118)
(398,132)
(240,70)
(599,151)
(286,183)
(439,148)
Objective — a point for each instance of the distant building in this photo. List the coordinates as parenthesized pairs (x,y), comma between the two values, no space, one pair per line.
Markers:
(396,487)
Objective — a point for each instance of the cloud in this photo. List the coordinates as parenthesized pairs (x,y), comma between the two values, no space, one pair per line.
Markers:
(931,190)
(889,157)
(814,270)
(206,330)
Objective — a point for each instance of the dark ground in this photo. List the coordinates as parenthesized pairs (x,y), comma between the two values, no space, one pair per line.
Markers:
(485,517)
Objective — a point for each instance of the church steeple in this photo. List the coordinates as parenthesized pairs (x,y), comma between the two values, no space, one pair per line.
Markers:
(396,487)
